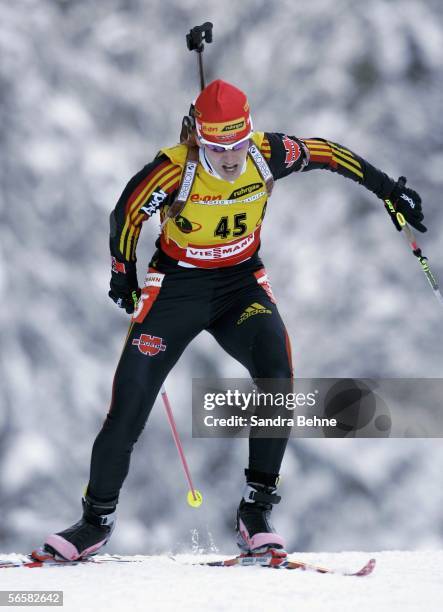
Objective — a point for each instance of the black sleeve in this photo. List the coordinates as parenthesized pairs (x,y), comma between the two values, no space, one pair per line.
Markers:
(290,154)
(328,155)
(149,190)
(284,154)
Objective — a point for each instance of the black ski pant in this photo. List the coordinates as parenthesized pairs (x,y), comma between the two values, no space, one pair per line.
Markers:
(230,303)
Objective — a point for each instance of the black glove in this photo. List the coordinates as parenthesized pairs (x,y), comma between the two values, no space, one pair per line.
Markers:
(124,285)
(407,202)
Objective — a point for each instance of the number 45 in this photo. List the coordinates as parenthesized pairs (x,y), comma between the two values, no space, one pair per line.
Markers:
(222,230)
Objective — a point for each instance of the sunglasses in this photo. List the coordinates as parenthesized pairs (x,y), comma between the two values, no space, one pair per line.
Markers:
(219,148)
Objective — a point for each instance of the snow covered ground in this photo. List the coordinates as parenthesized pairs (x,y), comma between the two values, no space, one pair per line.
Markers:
(402,581)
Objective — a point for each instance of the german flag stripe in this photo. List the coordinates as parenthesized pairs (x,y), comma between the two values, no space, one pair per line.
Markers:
(170,186)
(315,141)
(162,177)
(143,184)
(335,146)
(158,180)
(320,153)
(265,148)
(125,238)
(138,199)
(321,159)
(121,245)
(134,242)
(349,163)
(127,253)
(329,153)
(318,145)
(348,166)
(347,155)
(169,180)
(348,158)
(140,191)
(318,149)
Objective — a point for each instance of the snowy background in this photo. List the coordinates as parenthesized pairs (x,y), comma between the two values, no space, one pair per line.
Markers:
(89,91)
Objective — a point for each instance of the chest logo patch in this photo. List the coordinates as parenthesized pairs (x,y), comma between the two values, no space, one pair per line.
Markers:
(186,226)
(246,190)
(196,197)
(293,151)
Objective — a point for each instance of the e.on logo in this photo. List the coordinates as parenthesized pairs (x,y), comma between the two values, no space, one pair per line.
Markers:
(196,197)
(149,345)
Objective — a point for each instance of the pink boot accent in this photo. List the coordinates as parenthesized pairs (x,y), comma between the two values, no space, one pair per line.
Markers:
(63,547)
(264,539)
(260,539)
(67,550)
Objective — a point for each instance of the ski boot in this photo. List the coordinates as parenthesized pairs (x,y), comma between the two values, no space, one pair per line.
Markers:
(88,535)
(255,533)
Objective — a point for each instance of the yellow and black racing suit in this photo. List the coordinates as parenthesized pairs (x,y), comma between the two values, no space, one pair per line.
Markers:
(205,275)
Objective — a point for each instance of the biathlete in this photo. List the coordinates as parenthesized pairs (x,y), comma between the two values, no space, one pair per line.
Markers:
(206,274)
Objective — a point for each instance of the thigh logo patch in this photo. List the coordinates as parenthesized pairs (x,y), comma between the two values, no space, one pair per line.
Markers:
(252,310)
(149,345)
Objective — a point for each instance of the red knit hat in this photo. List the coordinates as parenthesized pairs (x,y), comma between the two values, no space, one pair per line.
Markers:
(222,113)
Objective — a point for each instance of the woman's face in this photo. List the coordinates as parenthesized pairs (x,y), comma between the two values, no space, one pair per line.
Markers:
(228,164)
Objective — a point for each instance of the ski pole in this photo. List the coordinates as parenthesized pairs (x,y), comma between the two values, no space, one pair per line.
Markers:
(194,40)
(412,241)
(194,496)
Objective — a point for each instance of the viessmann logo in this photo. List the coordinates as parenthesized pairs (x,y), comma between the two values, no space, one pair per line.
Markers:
(222,251)
(149,345)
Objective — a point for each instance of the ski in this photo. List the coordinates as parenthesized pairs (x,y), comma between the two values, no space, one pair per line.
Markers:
(279,560)
(41,558)
(270,559)
(367,569)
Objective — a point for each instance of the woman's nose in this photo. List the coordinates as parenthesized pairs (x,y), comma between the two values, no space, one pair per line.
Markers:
(229,157)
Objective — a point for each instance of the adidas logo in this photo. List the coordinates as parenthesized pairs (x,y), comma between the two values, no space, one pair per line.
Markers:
(409,200)
(252,310)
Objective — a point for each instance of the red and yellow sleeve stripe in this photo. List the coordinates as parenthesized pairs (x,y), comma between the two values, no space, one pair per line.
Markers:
(337,157)
(166,177)
(265,149)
